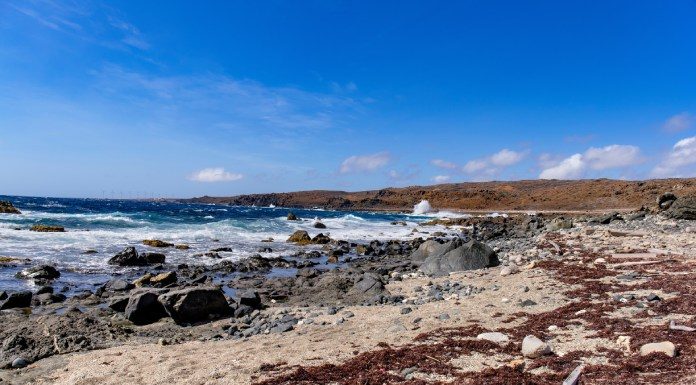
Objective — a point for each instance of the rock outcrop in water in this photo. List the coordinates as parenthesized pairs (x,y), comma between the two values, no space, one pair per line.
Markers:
(130,257)
(6,207)
(47,229)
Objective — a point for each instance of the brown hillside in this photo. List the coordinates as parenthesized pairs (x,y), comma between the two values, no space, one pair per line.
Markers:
(542,195)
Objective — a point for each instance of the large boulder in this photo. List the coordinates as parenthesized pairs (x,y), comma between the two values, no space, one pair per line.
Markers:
(369,285)
(425,250)
(458,256)
(300,237)
(16,299)
(144,308)
(6,207)
(39,272)
(683,208)
(195,304)
(130,257)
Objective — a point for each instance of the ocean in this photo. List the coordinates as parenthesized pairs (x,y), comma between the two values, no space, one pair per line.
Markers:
(108,226)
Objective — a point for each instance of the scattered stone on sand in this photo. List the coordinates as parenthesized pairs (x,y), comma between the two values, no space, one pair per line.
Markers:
(665,347)
(497,337)
(509,270)
(533,347)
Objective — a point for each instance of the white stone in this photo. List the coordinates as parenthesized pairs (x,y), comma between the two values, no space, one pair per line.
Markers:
(508,270)
(625,342)
(533,347)
(600,261)
(665,347)
(552,328)
(498,338)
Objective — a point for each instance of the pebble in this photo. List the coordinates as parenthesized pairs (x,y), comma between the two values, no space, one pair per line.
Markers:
(19,362)
(406,310)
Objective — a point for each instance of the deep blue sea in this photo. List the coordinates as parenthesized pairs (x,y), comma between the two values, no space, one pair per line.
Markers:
(108,226)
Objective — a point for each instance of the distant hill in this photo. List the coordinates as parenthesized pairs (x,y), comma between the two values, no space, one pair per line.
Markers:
(541,195)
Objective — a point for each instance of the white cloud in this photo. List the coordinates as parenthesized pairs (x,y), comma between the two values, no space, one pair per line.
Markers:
(505,157)
(441,178)
(490,165)
(674,165)
(570,168)
(358,163)
(474,166)
(216,174)
(679,122)
(443,164)
(575,166)
(613,156)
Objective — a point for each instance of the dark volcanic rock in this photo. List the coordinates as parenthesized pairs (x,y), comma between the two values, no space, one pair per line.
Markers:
(153,258)
(143,308)
(17,299)
(321,239)
(457,256)
(319,225)
(195,304)
(249,298)
(292,217)
(683,208)
(665,200)
(130,257)
(6,207)
(39,272)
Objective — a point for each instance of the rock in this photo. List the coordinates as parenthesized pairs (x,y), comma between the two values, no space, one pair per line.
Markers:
(142,281)
(533,347)
(666,200)
(283,327)
(637,216)
(157,243)
(406,310)
(321,239)
(195,304)
(249,298)
(498,338)
(368,284)
(509,270)
(182,247)
(300,237)
(47,229)
(319,225)
(459,256)
(48,298)
(3,295)
(143,308)
(292,217)
(164,279)
(118,304)
(19,363)
(16,300)
(559,223)
(130,257)
(665,347)
(6,207)
(118,285)
(44,290)
(40,272)
(683,208)
(607,219)
(574,376)
(425,250)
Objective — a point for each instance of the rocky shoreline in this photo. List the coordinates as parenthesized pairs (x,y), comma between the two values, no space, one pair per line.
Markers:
(533,296)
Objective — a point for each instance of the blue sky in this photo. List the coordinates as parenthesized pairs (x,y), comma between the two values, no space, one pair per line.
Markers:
(165,98)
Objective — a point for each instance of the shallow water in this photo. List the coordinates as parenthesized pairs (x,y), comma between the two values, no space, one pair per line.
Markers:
(108,226)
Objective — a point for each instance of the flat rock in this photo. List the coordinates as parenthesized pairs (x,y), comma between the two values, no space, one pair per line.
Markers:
(497,337)
(665,347)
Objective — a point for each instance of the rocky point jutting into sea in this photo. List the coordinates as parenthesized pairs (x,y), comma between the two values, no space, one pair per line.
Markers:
(113,292)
